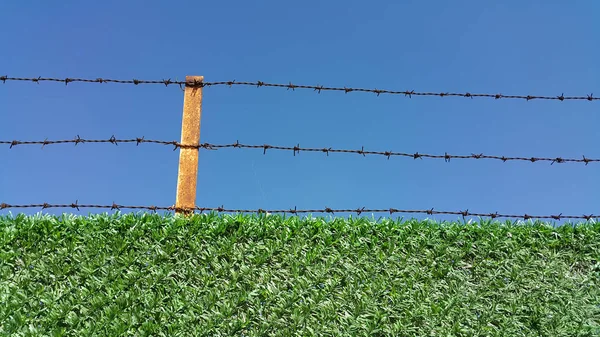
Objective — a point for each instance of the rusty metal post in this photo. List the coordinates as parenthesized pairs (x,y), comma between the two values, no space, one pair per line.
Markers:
(188,157)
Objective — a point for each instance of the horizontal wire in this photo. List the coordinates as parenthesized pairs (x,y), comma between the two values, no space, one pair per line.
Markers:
(297,149)
(296,211)
(317,88)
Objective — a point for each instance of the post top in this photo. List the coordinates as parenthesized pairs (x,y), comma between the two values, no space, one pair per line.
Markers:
(190,78)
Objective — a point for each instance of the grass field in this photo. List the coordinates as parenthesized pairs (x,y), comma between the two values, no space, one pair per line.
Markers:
(223,275)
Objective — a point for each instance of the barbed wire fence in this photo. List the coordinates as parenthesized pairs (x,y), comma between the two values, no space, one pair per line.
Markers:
(297,149)
(291,86)
(188,164)
(294,210)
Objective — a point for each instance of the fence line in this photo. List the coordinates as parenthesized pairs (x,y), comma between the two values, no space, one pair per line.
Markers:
(317,88)
(188,162)
(297,149)
(294,210)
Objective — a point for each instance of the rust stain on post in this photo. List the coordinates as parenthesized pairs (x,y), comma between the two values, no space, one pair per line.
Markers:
(188,157)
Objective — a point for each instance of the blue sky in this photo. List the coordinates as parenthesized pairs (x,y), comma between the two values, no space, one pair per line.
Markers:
(509,47)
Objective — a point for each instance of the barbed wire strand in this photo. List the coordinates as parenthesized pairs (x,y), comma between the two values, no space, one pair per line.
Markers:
(297,149)
(317,88)
(358,211)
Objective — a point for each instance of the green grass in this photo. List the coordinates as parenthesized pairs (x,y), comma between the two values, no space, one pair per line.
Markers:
(222,275)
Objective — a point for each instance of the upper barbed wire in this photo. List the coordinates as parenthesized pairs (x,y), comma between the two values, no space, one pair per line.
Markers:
(288,86)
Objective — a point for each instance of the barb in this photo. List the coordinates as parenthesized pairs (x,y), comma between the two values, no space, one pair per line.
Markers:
(358,211)
(297,149)
(316,88)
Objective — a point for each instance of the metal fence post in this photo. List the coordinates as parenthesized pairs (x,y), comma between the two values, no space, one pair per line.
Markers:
(188,157)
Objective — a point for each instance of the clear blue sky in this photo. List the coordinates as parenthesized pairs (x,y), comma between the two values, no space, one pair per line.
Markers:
(509,47)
